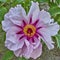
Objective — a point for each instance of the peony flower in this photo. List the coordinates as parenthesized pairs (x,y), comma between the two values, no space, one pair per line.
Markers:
(24,32)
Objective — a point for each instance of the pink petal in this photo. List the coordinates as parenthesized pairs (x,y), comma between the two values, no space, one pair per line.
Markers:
(53,28)
(35,15)
(33,7)
(36,42)
(14,16)
(12,40)
(44,16)
(47,38)
(6,25)
(27,50)
(18,53)
(37,52)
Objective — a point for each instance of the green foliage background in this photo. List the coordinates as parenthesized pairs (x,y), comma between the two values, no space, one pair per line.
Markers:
(5,5)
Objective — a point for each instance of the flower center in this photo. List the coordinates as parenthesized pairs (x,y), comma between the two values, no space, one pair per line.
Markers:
(29,30)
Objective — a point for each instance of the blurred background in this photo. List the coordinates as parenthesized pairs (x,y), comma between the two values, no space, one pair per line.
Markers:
(52,6)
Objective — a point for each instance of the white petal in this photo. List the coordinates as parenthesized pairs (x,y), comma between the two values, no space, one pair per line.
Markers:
(16,19)
(18,53)
(16,15)
(18,10)
(46,37)
(6,25)
(27,43)
(44,16)
(53,29)
(37,52)
(27,51)
(35,15)
(36,43)
(11,45)
(33,7)
(12,40)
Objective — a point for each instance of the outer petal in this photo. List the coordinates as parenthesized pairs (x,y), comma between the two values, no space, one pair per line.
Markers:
(12,40)
(27,50)
(33,8)
(47,38)
(37,52)
(6,25)
(35,15)
(14,16)
(44,16)
(18,53)
(53,28)
(17,14)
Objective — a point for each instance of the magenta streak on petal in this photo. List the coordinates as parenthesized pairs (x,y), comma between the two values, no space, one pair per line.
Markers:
(39,33)
(20,32)
(30,20)
(22,37)
(19,26)
(24,23)
(28,38)
(33,39)
(36,35)
(35,22)
(38,28)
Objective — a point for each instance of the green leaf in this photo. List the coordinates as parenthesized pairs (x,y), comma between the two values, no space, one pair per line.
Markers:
(42,1)
(22,58)
(8,55)
(57,18)
(3,10)
(54,10)
(3,1)
(19,0)
(58,40)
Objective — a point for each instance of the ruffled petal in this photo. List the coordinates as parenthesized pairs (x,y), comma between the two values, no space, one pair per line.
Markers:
(35,15)
(16,15)
(18,53)
(53,28)
(37,52)
(36,43)
(6,25)
(46,37)
(33,7)
(12,40)
(44,16)
(27,50)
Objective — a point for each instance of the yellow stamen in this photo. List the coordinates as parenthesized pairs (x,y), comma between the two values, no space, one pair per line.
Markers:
(31,28)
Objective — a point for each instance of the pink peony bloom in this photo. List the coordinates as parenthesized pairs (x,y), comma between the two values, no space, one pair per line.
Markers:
(24,32)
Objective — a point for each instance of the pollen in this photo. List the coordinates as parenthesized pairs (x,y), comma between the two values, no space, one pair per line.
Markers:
(29,30)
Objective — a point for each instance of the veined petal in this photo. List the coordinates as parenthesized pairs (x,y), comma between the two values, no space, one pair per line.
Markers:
(18,53)
(35,15)
(27,50)
(6,25)
(18,10)
(36,43)
(53,28)
(46,37)
(12,40)
(33,7)
(37,52)
(27,43)
(44,16)
(16,15)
